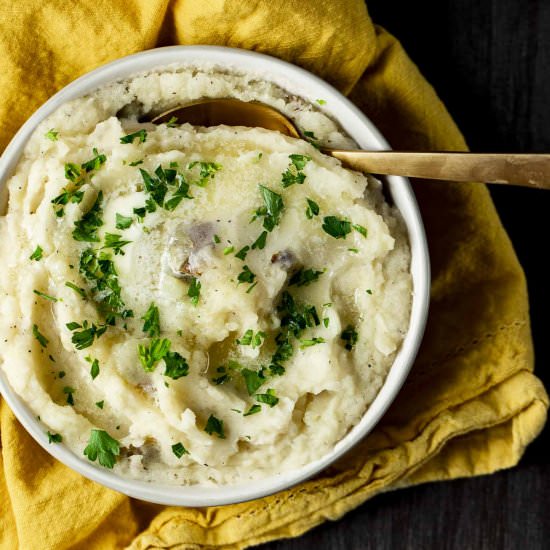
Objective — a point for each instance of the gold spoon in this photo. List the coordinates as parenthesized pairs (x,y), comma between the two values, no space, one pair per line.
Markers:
(527,169)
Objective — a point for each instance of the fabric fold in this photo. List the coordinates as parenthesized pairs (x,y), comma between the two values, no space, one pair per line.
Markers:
(471,404)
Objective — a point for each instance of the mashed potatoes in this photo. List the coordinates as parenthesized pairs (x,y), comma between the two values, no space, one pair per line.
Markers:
(192,305)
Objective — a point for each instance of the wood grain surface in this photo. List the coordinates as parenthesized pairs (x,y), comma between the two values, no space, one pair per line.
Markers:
(489,60)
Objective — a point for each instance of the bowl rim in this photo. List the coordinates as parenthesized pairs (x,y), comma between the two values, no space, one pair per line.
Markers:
(354,122)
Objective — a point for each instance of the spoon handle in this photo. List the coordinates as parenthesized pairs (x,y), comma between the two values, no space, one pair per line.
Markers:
(529,170)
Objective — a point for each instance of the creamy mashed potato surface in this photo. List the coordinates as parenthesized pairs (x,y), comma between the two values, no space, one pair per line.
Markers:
(192,305)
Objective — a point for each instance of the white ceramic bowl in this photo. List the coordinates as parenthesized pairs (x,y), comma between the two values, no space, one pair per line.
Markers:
(301,83)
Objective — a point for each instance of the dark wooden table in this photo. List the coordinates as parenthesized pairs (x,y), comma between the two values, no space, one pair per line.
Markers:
(489,60)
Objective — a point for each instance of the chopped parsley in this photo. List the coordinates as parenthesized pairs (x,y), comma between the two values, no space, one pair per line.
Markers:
(241,254)
(228,250)
(72,172)
(304,277)
(136,162)
(85,338)
(321,101)
(151,326)
(312,342)
(207,171)
(94,368)
(37,254)
(39,336)
(150,355)
(80,291)
(360,229)
(54,438)
(94,163)
(52,135)
(251,339)
(312,209)
(103,447)
(272,209)
(294,172)
(112,240)
(368,291)
(312,138)
(296,317)
(179,450)
(194,291)
(354,250)
(246,276)
(123,222)
(172,122)
(253,410)
(269,398)
(86,228)
(141,135)
(336,227)
(326,321)
(100,404)
(216,239)
(176,365)
(259,243)
(45,296)
(252,379)
(182,192)
(68,391)
(99,270)
(349,336)
(214,426)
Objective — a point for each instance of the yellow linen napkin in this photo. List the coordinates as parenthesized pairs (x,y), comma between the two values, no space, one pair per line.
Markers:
(471,403)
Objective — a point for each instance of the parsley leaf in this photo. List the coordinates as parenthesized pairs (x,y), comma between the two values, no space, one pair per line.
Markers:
(253,410)
(228,250)
(112,240)
(179,450)
(68,391)
(141,135)
(151,325)
(293,173)
(207,171)
(155,186)
(37,254)
(349,336)
(312,209)
(297,317)
(100,404)
(150,355)
(336,227)
(72,172)
(251,339)
(360,229)
(299,161)
(252,379)
(40,337)
(176,365)
(86,228)
(99,269)
(54,438)
(94,163)
(241,254)
(94,369)
(85,337)
(269,398)
(304,277)
(52,134)
(272,209)
(194,291)
(103,447)
(123,222)
(214,426)
(259,243)
(182,192)
(246,276)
